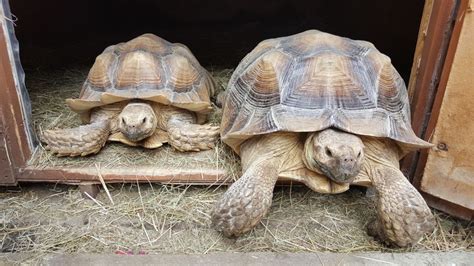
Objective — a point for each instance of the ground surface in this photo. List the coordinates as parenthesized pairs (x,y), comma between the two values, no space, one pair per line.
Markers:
(261,258)
(150,219)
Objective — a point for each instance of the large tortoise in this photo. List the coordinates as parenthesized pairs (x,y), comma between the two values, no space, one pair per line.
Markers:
(326,111)
(144,92)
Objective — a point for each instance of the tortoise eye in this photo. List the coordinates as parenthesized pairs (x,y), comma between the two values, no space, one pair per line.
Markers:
(144,120)
(123,121)
(328,152)
(359,154)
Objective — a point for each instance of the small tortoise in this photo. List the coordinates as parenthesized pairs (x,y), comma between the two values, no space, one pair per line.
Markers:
(326,111)
(144,92)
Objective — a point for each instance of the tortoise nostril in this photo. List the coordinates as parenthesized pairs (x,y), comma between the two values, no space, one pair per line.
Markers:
(328,152)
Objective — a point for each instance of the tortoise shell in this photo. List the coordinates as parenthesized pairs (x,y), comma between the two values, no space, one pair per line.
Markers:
(146,68)
(312,81)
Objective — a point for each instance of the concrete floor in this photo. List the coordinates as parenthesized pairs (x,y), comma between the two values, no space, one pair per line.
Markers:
(265,258)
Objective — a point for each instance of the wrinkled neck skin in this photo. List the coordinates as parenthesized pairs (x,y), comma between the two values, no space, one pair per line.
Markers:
(168,116)
(103,115)
(268,147)
(380,152)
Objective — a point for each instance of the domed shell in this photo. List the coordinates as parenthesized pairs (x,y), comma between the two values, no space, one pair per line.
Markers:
(312,81)
(147,68)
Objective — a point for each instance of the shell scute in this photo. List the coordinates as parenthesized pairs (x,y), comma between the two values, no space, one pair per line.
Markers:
(99,76)
(182,74)
(138,68)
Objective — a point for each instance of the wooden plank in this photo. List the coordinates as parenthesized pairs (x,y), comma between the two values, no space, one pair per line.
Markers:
(125,174)
(423,88)
(449,171)
(448,207)
(142,174)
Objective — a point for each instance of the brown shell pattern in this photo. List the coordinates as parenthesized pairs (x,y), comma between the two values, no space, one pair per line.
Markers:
(96,74)
(182,75)
(137,68)
(314,80)
(148,68)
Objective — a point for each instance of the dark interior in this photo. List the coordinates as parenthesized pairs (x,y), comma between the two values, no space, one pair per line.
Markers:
(60,34)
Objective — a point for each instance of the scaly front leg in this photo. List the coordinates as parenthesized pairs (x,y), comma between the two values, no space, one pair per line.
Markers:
(247,201)
(184,133)
(82,140)
(185,136)
(402,214)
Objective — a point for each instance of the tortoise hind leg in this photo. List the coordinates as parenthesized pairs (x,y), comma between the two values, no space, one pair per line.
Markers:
(247,201)
(82,140)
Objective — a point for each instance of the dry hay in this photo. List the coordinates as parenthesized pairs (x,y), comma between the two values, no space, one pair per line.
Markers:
(48,91)
(153,218)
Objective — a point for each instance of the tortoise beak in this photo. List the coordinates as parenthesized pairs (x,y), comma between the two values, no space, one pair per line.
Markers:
(341,177)
(136,135)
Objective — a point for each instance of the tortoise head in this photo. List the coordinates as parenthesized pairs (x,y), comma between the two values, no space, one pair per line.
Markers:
(336,154)
(137,121)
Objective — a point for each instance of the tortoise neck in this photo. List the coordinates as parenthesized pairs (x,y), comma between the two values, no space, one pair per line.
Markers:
(309,156)
(382,151)
(168,115)
(278,147)
(104,114)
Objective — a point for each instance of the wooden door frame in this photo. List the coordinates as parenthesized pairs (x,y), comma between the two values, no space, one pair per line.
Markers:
(433,62)
(435,50)
(17,139)
(429,99)
(429,122)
